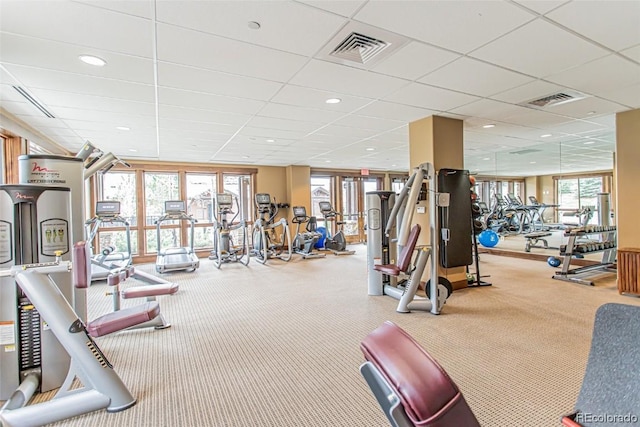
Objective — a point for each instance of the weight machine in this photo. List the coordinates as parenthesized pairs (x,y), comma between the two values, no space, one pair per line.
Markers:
(384,209)
(266,243)
(224,249)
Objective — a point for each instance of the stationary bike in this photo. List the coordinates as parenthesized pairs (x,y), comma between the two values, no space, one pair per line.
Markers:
(224,249)
(336,243)
(266,243)
(304,241)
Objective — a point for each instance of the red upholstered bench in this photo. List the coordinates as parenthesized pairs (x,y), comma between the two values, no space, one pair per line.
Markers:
(410,386)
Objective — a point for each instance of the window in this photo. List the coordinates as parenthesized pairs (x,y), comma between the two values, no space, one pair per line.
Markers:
(240,188)
(121,187)
(201,190)
(158,188)
(576,194)
(320,192)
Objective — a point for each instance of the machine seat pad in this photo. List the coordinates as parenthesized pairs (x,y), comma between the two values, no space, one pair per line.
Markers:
(429,396)
(150,290)
(537,235)
(389,269)
(123,319)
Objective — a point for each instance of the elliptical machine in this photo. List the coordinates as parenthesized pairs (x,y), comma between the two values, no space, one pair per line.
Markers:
(305,241)
(266,243)
(336,243)
(224,249)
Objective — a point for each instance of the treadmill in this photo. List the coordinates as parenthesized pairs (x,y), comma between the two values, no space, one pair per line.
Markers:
(174,259)
(108,257)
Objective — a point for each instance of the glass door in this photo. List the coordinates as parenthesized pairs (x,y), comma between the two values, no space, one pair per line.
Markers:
(354,208)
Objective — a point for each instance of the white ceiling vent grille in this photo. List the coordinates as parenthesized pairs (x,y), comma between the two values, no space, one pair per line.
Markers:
(525,151)
(554,99)
(361,45)
(33,101)
(359,48)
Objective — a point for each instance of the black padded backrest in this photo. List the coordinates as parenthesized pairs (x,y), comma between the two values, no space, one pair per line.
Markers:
(611,385)
(405,256)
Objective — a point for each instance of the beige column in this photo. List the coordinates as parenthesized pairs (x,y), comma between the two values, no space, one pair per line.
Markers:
(439,141)
(627,178)
(299,186)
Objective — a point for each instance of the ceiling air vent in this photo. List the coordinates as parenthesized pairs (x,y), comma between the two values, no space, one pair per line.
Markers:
(554,99)
(22,91)
(359,48)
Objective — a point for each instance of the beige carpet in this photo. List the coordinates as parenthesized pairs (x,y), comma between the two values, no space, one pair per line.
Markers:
(278,345)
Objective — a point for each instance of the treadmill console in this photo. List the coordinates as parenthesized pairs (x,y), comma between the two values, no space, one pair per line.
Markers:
(299,212)
(175,206)
(107,208)
(224,200)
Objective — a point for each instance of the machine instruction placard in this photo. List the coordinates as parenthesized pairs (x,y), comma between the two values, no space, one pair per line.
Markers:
(54,236)
(6,242)
(7,333)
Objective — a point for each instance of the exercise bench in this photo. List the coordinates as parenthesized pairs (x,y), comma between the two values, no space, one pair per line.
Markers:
(533,240)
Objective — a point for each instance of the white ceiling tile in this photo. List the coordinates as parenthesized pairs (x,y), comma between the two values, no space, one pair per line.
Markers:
(370,123)
(34,78)
(199,115)
(116,118)
(19,108)
(299,113)
(629,96)
(475,77)
(190,137)
(77,23)
(534,118)
(415,60)
(341,79)
(487,109)
(197,49)
(304,35)
(217,130)
(141,8)
(541,6)
(283,124)
(613,23)
(389,110)
(341,7)
(432,98)
(600,75)
(527,92)
(439,22)
(41,121)
(346,132)
(207,101)
(632,52)
(315,98)
(56,99)
(272,133)
(46,54)
(212,82)
(575,127)
(549,50)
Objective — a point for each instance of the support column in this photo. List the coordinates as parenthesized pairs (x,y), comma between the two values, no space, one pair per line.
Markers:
(299,187)
(627,177)
(437,140)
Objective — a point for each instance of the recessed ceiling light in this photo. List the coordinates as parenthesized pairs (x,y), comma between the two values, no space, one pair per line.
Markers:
(393,166)
(487,158)
(370,149)
(245,157)
(254,25)
(92,60)
(589,142)
(591,112)
(489,126)
(533,163)
(546,135)
(327,161)
(333,101)
(123,128)
(133,150)
(270,140)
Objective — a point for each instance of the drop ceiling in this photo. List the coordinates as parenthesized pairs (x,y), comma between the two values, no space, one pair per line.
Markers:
(194,82)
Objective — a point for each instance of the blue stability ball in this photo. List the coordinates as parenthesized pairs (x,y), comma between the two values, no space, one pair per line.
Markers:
(488,238)
(320,243)
(553,261)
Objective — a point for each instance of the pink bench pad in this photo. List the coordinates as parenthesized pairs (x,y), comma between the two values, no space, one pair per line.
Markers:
(123,319)
(150,290)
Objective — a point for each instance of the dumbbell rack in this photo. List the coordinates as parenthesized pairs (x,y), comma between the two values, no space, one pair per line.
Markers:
(574,247)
